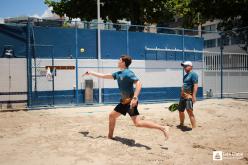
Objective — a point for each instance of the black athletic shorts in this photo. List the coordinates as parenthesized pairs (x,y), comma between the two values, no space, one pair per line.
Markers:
(125,108)
(185,104)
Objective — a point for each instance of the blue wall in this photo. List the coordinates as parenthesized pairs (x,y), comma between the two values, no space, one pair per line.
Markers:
(113,43)
(110,95)
(15,36)
(61,43)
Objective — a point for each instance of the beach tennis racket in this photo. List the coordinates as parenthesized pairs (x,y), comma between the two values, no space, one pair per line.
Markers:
(173,107)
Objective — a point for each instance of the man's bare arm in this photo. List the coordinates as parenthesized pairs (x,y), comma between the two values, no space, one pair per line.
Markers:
(137,88)
(195,92)
(182,93)
(100,75)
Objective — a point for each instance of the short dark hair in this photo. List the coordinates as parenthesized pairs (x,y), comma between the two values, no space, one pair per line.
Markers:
(127,59)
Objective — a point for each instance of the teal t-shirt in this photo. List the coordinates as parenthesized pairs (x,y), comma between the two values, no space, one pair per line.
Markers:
(189,80)
(125,79)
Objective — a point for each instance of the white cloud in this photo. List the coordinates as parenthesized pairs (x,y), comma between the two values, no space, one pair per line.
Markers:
(36,16)
(47,13)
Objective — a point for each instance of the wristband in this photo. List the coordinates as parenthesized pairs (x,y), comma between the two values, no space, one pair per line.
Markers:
(135,98)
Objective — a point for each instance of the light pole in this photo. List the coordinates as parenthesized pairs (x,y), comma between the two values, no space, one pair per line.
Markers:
(99,50)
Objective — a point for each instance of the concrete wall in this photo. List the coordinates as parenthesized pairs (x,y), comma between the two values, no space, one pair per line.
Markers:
(161,80)
(13,81)
(235,83)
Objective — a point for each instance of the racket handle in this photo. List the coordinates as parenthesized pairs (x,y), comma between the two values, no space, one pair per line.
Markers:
(132,110)
(86,73)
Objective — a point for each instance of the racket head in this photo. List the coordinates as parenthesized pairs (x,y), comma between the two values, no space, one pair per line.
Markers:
(173,107)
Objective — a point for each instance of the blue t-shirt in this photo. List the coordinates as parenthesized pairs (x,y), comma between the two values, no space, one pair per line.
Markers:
(189,80)
(125,79)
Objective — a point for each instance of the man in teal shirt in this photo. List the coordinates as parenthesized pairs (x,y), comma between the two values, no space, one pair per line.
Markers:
(188,93)
(129,97)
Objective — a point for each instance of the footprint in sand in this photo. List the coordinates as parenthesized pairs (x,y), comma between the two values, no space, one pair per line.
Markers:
(202,147)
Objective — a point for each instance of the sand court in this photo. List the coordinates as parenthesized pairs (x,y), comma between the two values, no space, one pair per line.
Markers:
(78,136)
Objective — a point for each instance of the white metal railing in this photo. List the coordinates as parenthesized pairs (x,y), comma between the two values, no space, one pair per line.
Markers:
(212,60)
(231,61)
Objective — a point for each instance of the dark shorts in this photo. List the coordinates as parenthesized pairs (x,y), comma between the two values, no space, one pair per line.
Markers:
(185,104)
(125,108)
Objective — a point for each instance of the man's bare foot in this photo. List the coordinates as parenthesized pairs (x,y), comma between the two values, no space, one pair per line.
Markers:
(180,126)
(110,137)
(166,132)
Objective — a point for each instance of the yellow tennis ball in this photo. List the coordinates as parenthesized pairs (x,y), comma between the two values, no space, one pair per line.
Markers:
(82,50)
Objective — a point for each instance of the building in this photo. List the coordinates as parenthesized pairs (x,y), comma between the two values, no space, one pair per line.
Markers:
(49,21)
(212,39)
(1,21)
(234,65)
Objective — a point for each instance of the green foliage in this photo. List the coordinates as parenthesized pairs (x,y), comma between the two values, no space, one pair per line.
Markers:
(192,12)
(233,13)
(137,11)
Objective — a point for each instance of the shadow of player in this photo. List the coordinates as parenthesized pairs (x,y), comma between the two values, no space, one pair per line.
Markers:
(128,142)
(184,128)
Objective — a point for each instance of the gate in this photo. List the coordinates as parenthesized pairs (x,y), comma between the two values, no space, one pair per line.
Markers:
(43,73)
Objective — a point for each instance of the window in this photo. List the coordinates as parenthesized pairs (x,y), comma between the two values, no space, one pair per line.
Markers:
(210,43)
(209,27)
(225,41)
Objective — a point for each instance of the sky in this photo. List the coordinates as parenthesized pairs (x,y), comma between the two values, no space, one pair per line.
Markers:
(13,8)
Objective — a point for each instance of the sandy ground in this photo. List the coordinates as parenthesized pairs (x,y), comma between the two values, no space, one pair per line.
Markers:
(78,136)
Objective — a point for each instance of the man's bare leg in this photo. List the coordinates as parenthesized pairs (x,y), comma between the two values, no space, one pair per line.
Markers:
(181,117)
(192,118)
(112,120)
(148,124)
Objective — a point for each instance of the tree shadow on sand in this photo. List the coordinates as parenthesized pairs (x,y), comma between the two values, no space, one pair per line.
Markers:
(184,128)
(128,142)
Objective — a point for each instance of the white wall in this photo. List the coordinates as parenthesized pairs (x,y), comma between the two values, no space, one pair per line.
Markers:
(13,78)
(235,82)
(150,73)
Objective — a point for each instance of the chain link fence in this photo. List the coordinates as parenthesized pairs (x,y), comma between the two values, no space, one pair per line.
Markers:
(157,53)
(58,52)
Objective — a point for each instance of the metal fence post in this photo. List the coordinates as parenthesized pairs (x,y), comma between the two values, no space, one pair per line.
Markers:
(127,39)
(53,74)
(99,50)
(29,65)
(183,43)
(221,64)
(76,56)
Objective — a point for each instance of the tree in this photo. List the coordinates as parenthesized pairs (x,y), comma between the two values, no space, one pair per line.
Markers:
(233,16)
(232,13)
(136,11)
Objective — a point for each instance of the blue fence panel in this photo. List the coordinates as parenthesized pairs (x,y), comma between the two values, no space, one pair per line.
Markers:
(14,36)
(113,44)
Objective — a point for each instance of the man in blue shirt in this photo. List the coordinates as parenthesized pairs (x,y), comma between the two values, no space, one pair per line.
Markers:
(129,97)
(188,93)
